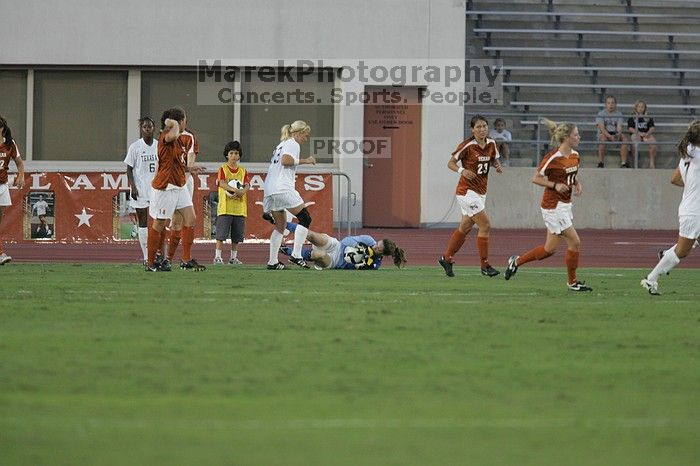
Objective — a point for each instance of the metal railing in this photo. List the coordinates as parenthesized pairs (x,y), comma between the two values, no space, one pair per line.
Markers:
(348,196)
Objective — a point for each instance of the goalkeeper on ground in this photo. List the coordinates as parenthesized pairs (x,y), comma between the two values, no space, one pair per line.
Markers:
(351,253)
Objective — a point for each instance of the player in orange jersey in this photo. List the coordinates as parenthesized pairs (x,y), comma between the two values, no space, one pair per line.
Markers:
(8,152)
(475,155)
(169,189)
(557,173)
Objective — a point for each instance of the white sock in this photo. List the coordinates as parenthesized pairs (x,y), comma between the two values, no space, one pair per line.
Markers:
(217,254)
(143,241)
(234,253)
(275,243)
(299,238)
(669,261)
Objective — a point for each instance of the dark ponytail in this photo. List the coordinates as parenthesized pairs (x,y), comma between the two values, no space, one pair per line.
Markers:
(391,249)
(175,113)
(6,132)
(692,136)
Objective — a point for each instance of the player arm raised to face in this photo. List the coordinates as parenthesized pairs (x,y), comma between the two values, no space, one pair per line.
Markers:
(19,179)
(676,178)
(172,130)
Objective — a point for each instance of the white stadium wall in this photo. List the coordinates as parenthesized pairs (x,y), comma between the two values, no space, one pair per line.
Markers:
(136,34)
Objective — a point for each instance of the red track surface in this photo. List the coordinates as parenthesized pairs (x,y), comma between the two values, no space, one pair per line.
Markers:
(599,248)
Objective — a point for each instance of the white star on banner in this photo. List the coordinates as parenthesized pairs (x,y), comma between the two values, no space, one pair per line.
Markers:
(84,218)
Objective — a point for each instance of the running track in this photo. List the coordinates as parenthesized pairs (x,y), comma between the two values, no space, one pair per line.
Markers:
(599,248)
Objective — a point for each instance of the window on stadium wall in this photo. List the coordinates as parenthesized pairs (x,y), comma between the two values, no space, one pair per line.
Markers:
(13,98)
(80,115)
(212,124)
(261,123)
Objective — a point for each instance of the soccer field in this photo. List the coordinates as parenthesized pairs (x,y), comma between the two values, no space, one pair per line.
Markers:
(108,365)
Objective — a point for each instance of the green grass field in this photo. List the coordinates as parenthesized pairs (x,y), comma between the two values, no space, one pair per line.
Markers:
(108,365)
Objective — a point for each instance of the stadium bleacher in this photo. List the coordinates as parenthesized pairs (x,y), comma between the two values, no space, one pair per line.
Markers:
(561,57)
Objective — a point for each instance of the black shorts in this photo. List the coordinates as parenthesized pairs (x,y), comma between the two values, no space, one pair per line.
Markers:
(230,225)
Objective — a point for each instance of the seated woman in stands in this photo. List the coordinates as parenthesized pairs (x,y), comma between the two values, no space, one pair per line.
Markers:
(641,128)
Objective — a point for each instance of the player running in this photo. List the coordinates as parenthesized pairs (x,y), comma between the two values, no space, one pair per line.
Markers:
(687,176)
(557,173)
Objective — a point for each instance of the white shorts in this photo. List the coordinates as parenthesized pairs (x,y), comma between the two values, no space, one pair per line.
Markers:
(164,203)
(189,183)
(689,226)
(332,248)
(282,201)
(471,203)
(5,195)
(558,219)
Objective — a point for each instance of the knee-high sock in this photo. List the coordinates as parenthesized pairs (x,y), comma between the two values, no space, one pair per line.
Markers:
(537,253)
(482,244)
(456,242)
(175,236)
(143,241)
(153,242)
(669,261)
(275,243)
(187,240)
(1,249)
(571,260)
(300,234)
(162,237)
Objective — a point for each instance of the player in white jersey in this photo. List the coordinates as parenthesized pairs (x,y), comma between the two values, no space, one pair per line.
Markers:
(687,175)
(281,194)
(141,166)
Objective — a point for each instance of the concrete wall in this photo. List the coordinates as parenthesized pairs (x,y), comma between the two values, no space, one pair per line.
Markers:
(179,32)
(612,199)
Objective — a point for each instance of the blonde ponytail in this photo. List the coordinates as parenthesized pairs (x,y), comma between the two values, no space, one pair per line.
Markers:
(298,126)
(558,131)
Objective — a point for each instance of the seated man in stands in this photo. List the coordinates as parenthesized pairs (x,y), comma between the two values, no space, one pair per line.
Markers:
(502,136)
(641,128)
(609,122)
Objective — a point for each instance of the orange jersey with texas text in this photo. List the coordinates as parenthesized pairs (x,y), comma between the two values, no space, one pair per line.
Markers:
(172,160)
(478,160)
(7,153)
(558,168)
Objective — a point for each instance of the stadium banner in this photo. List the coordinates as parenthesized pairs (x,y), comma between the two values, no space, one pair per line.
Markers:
(93,207)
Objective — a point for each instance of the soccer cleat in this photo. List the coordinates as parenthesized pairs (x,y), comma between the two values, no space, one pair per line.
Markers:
(447,265)
(579,286)
(218,261)
(277,266)
(601,165)
(164,265)
(234,261)
(651,287)
(159,258)
(299,261)
(4,259)
(489,271)
(145,262)
(286,250)
(192,265)
(512,267)
(660,255)
(267,216)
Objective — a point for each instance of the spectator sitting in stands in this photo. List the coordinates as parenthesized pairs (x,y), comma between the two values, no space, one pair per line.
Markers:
(502,136)
(641,128)
(609,122)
